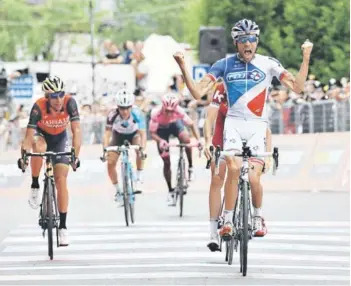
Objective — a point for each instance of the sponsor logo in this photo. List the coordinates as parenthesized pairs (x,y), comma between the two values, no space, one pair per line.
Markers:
(254,75)
(56,123)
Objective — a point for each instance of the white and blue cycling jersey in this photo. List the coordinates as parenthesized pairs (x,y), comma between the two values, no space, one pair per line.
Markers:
(247,84)
(135,122)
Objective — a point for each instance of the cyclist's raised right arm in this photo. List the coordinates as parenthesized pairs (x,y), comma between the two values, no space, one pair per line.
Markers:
(34,118)
(201,88)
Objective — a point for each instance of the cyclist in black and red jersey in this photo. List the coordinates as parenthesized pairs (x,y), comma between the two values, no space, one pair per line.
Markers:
(46,131)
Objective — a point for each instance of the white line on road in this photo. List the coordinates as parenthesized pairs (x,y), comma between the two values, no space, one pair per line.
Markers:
(92,230)
(165,235)
(176,275)
(165,265)
(170,255)
(172,244)
(199,223)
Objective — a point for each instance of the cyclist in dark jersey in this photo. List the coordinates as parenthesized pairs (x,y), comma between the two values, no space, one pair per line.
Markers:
(46,131)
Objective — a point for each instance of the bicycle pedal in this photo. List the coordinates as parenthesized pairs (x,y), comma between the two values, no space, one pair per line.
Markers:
(137,192)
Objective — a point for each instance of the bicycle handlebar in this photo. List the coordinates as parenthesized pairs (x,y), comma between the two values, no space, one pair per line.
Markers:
(26,154)
(185,145)
(122,148)
(247,153)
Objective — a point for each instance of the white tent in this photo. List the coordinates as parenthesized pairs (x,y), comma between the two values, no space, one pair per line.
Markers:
(158,51)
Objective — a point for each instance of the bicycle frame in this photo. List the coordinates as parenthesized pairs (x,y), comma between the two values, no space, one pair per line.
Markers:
(48,214)
(127,177)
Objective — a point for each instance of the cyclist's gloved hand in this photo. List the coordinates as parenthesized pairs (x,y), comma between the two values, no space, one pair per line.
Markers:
(200,145)
(76,164)
(21,164)
(163,144)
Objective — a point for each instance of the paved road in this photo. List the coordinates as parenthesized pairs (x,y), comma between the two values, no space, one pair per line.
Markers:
(307,244)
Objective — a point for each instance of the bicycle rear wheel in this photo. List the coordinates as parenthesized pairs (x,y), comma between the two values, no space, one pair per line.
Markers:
(125,193)
(49,217)
(244,239)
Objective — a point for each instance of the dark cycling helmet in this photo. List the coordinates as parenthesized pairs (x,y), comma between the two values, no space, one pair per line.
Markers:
(245,27)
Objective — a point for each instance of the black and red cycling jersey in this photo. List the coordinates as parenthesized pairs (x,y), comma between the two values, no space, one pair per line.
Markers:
(53,123)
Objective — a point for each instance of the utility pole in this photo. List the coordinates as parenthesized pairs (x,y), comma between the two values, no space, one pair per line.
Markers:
(91,16)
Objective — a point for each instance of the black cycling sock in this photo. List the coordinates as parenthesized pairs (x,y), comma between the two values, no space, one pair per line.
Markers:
(63,220)
(188,152)
(35,183)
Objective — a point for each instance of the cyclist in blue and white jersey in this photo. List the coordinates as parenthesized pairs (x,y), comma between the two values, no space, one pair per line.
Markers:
(125,122)
(247,77)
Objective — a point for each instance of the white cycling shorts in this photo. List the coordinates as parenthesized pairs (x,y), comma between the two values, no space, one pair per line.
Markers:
(237,130)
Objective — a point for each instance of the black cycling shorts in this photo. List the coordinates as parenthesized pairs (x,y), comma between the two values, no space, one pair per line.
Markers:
(55,143)
(119,138)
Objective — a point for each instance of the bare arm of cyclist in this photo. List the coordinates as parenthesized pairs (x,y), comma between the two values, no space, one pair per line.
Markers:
(76,137)
(143,138)
(72,110)
(297,83)
(107,136)
(211,116)
(199,89)
(34,118)
(268,140)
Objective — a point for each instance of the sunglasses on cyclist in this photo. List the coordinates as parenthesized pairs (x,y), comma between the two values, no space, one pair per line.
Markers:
(56,95)
(244,39)
(124,107)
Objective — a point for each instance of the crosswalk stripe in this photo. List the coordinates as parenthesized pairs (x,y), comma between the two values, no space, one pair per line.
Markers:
(93,230)
(165,235)
(199,223)
(165,265)
(172,274)
(170,255)
(256,244)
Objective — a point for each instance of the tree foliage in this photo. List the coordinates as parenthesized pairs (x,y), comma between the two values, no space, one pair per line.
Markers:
(284,25)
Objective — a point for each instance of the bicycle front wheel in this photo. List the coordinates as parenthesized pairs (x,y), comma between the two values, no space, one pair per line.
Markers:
(125,192)
(131,196)
(244,240)
(181,185)
(49,217)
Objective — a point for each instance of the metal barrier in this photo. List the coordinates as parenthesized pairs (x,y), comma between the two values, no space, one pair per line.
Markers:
(315,117)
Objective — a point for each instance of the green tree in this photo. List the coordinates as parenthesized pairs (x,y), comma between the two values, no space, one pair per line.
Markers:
(33,27)
(285,25)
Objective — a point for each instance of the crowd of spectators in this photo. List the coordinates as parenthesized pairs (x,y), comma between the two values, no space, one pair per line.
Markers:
(93,114)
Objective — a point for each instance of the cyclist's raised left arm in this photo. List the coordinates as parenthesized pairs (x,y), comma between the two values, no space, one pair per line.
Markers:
(73,112)
(297,83)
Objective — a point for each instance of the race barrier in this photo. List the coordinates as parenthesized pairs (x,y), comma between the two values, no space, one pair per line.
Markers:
(307,162)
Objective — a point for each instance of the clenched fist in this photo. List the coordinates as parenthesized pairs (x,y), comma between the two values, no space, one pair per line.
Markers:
(179,57)
(307,47)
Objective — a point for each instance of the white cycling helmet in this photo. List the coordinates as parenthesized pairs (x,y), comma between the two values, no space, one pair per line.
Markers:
(124,98)
(245,27)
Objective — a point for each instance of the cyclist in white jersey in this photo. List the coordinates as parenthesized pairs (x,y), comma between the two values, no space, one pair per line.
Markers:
(125,122)
(247,77)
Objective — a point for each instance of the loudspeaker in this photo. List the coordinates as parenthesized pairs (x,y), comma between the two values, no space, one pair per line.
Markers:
(213,44)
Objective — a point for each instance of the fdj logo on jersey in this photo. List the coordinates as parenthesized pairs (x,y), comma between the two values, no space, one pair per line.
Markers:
(255,75)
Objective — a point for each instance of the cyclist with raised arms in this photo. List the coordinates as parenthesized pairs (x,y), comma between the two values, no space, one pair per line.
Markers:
(217,112)
(169,119)
(124,123)
(247,77)
(46,131)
